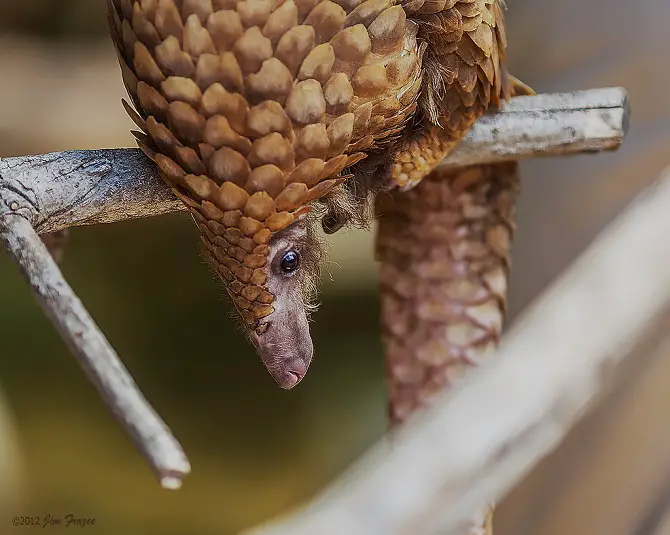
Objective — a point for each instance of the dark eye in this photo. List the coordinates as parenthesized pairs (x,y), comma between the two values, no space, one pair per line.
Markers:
(290,262)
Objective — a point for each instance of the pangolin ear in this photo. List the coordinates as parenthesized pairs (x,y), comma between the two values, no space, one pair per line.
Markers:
(331,223)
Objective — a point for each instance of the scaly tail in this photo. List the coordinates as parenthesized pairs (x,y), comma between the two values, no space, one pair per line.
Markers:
(444,253)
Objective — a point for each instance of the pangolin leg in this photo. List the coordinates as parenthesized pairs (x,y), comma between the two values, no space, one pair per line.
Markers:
(520,88)
(444,253)
(416,158)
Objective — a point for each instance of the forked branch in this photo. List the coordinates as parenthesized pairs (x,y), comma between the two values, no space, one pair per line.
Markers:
(67,189)
(47,193)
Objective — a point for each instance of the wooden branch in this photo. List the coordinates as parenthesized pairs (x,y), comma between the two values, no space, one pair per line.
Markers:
(52,192)
(66,189)
(93,352)
(547,125)
(481,438)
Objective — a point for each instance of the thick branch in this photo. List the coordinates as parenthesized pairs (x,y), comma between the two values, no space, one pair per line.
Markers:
(93,352)
(547,125)
(61,190)
(481,438)
(56,191)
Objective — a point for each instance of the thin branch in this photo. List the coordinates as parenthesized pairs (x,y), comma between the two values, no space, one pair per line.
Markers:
(12,461)
(480,439)
(73,188)
(57,191)
(95,355)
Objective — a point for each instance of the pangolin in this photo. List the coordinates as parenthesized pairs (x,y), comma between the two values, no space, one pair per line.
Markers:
(266,117)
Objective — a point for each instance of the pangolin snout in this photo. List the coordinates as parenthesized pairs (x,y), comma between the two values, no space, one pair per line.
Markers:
(285,352)
(295,371)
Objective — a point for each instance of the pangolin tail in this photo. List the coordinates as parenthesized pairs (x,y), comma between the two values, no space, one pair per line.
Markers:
(444,249)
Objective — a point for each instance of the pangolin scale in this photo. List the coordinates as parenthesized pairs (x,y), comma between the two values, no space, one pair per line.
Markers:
(444,250)
(253,110)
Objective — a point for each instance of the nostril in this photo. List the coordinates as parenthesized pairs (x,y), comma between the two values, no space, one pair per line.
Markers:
(295,372)
(296,375)
(298,368)
(289,380)
(287,372)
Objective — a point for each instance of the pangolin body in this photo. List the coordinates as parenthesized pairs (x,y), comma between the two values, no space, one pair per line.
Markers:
(253,110)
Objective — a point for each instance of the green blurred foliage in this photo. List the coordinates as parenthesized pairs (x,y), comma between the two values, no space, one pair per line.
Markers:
(255,449)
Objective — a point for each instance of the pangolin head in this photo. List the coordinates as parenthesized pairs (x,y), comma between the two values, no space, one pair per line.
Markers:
(283,339)
(268,254)
(253,110)
(272,286)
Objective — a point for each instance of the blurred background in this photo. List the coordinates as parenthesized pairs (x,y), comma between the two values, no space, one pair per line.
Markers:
(256,450)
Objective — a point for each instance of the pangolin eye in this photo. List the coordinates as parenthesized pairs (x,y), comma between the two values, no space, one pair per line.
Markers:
(290,261)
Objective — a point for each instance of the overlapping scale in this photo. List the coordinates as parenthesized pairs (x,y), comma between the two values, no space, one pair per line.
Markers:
(251,109)
(466,38)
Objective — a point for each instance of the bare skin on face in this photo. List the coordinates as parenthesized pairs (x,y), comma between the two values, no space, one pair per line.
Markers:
(286,345)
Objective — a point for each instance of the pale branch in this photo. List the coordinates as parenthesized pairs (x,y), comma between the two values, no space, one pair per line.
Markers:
(555,124)
(66,189)
(83,187)
(483,436)
(52,192)
(93,351)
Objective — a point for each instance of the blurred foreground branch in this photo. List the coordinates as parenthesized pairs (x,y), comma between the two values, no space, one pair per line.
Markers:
(48,193)
(12,488)
(552,366)
(93,351)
